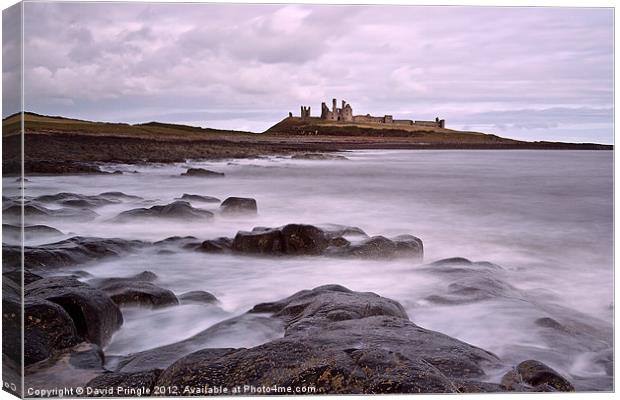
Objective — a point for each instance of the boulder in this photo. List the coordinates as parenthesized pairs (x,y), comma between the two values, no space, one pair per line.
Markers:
(202,173)
(238,205)
(341,341)
(106,385)
(34,211)
(140,294)
(199,198)
(292,239)
(381,248)
(180,210)
(72,251)
(94,314)
(219,245)
(136,290)
(36,232)
(47,328)
(198,296)
(535,376)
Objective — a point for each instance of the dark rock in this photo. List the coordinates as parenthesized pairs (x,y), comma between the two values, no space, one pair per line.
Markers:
(136,290)
(532,375)
(47,328)
(94,314)
(106,385)
(318,156)
(140,294)
(175,210)
(16,276)
(380,247)
(451,261)
(292,239)
(336,231)
(186,242)
(13,233)
(37,212)
(475,286)
(200,198)
(202,173)
(119,196)
(238,205)
(219,245)
(87,357)
(198,296)
(340,342)
(73,251)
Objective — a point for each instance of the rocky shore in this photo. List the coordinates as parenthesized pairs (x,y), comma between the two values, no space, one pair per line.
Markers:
(327,339)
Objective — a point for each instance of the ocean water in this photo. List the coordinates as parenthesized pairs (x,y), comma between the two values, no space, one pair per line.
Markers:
(543,218)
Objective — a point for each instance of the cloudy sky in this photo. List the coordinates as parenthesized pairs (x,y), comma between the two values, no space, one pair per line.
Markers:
(530,73)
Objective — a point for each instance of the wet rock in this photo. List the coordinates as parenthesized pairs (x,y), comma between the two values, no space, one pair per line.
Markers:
(73,251)
(202,173)
(181,210)
(35,212)
(174,242)
(47,328)
(292,239)
(198,296)
(535,376)
(94,314)
(473,288)
(199,198)
(140,294)
(340,342)
(38,232)
(219,245)
(451,261)
(318,156)
(119,196)
(136,290)
(238,205)
(16,276)
(106,385)
(336,231)
(380,247)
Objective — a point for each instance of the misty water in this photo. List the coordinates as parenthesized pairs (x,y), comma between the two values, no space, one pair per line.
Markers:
(544,218)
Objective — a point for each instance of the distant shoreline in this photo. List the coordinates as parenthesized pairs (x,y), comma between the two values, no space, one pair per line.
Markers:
(57,140)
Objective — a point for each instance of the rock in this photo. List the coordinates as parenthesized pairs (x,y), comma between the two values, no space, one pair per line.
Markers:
(16,276)
(47,328)
(451,261)
(37,232)
(140,294)
(219,245)
(186,242)
(475,287)
(199,198)
(292,239)
(238,205)
(534,376)
(535,373)
(37,212)
(176,210)
(94,314)
(203,173)
(119,196)
(136,290)
(72,251)
(341,342)
(198,296)
(107,385)
(318,156)
(380,247)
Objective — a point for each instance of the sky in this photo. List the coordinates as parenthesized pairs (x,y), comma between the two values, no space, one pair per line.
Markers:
(525,73)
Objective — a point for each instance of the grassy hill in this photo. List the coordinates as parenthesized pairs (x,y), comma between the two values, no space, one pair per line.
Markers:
(36,123)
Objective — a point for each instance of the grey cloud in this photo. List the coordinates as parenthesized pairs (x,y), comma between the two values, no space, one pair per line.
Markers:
(134,61)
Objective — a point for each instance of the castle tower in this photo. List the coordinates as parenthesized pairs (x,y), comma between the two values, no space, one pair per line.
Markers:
(334,106)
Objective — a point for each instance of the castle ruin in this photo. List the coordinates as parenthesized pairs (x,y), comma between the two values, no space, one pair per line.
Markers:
(345,114)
